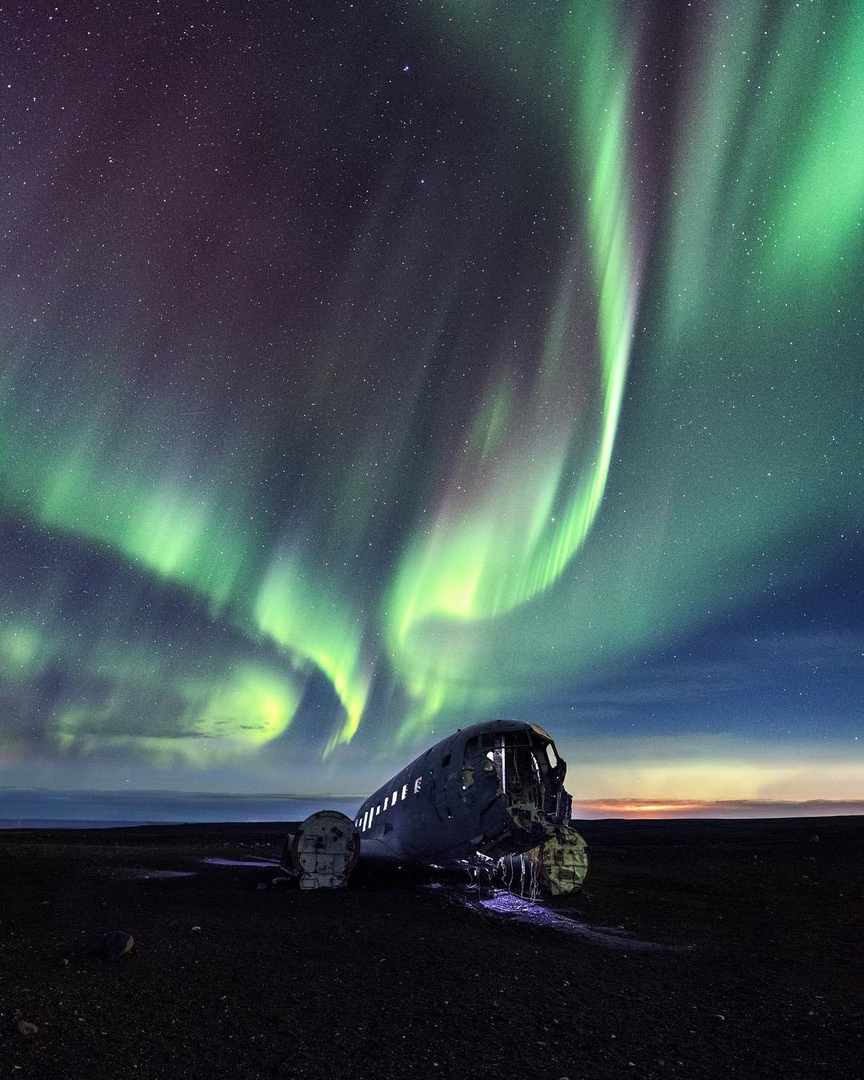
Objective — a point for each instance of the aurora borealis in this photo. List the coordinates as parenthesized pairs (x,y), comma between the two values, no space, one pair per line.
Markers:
(371,369)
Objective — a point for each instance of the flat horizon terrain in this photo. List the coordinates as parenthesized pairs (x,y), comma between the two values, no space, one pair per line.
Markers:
(51,808)
(699,949)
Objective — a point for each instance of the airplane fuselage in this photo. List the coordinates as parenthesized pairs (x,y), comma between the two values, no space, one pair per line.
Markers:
(493,789)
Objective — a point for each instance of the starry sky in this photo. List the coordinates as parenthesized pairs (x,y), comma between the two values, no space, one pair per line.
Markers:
(369,369)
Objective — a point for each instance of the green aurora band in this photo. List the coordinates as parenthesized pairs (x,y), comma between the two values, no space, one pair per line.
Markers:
(526,501)
(559,527)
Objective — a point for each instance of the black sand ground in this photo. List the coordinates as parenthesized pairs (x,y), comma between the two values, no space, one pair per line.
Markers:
(736,950)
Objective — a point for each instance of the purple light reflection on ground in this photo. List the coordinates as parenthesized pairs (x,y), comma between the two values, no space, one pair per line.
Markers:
(212,860)
(143,873)
(521,910)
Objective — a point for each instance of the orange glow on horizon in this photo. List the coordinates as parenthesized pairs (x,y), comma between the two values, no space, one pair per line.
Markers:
(626,806)
(635,809)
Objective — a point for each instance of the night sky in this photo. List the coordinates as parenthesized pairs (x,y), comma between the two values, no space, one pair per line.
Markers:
(370,369)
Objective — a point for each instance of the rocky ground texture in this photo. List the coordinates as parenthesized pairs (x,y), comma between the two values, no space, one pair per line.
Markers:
(698,950)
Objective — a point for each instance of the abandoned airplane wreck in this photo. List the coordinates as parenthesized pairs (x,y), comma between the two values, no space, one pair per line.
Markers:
(484,797)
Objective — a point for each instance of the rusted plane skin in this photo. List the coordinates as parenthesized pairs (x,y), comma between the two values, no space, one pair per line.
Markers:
(492,790)
(323,851)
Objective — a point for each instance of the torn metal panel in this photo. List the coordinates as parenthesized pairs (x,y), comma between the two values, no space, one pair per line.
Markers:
(563,860)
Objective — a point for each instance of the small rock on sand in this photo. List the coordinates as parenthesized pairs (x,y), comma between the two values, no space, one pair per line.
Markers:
(116,942)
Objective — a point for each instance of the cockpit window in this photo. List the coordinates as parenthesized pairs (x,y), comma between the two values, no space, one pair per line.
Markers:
(513,769)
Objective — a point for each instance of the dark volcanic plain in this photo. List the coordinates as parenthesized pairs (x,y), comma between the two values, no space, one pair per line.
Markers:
(734,949)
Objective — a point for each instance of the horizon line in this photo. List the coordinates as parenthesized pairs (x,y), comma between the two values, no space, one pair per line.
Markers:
(625,808)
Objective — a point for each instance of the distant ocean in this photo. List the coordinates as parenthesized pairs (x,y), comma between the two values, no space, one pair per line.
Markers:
(26,809)
(34,809)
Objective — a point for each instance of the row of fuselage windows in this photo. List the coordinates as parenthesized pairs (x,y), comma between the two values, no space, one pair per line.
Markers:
(364,822)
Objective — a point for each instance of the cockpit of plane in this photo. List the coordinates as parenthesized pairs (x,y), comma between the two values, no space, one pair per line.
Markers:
(524,766)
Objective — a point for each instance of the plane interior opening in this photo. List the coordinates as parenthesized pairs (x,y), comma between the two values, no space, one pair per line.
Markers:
(521,764)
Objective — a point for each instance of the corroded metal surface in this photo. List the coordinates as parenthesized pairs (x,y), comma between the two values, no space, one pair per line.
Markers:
(325,849)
